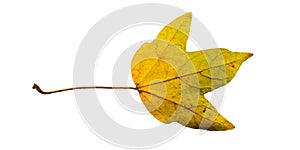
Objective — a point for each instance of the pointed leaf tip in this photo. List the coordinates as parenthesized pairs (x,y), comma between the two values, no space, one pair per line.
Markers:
(246,55)
(177,32)
(250,54)
(189,13)
(221,124)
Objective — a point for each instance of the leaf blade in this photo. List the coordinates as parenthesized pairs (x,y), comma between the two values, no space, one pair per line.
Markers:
(172,82)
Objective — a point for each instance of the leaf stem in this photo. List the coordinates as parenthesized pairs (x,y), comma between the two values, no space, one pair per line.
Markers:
(35,86)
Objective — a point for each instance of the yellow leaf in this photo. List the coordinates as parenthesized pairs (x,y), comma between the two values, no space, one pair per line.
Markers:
(172,82)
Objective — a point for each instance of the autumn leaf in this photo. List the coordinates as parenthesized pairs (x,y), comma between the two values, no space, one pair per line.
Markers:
(172,82)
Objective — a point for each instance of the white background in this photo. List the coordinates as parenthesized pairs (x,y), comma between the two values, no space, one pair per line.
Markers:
(39,41)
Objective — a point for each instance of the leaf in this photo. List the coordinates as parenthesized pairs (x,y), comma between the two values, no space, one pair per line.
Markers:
(172,82)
